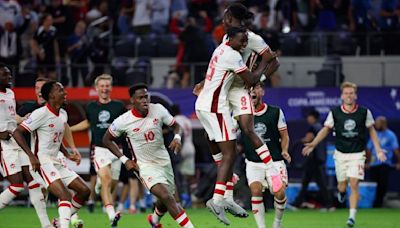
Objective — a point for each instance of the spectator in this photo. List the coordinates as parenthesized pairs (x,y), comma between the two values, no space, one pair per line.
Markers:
(62,22)
(179,6)
(379,171)
(286,15)
(45,48)
(78,9)
(160,16)
(142,17)
(389,24)
(9,12)
(314,166)
(324,9)
(78,52)
(27,10)
(125,18)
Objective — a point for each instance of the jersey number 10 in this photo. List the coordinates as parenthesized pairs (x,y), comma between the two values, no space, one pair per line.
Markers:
(149,136)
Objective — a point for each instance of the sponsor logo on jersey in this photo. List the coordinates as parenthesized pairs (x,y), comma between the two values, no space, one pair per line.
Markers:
(104,116)
(349,124)
(136,129)
(51,125)
(260,129)
(155,121)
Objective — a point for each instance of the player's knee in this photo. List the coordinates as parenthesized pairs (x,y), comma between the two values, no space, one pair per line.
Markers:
(166,198)
(280,195)
(256,189)
(247,130)
(85,192)
(66,196)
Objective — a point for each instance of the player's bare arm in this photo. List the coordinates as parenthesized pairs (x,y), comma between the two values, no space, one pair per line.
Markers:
(271,58)
(83,125)
(250,78)
(198,87)
(70,140)
(73,156)
(5,135)
(176,144)
(285,145)
(108,142)
(309,147)
(19,138)
(374,137)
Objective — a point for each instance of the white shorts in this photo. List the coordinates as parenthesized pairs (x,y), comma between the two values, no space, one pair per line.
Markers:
(349,165)
(51,172)
(219,126)
(151,175)
(103,157)
(12,159)
(240,101)
(257,172)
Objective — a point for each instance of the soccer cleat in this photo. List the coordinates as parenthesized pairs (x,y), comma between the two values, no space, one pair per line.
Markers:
(152,224)
(276,224)
(218,211)
(350,222)
(77,223)
(117,217)
(341,197)
(90,207)
(55,223)
(236,210)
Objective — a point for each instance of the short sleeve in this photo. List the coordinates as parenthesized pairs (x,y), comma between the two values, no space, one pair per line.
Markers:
(369,121)
(257,44)
(329,122)
(236,63)
(166,117)
(34,121)
(116,127)
(282,121)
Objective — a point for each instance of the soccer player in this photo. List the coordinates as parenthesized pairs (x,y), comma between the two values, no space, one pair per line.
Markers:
(213,111)
(237,15)
(270,126)
(14,162)
(47,124)
(350,123)
(99,116)
(143,128)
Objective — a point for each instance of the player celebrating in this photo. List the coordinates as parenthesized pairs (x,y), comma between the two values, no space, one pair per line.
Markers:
(212,108)
(143,127)
(15,163)
(99,116)
(350,123)
(48,124)
(270,125)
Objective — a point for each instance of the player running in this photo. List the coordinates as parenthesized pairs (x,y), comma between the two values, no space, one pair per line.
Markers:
(143,128)
(47,124)
(270,126)
(350,123)
(15,163)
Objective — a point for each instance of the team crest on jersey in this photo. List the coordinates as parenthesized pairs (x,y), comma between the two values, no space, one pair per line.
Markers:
(52,173)
(51,125)
(260,129)
(155,121)
(104,116)
(349,125)
(2,101)
(149,179)
(12,165)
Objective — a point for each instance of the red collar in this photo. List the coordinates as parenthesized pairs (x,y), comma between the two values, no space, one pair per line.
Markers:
(52,110)
(261,108)
(136,113)
(349,111)
(227,43)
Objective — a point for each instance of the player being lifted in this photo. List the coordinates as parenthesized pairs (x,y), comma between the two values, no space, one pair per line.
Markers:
(143,128)
(15,163)
(350,123)
(213,111)
(270,126)
(239,99)
(99,116)
(47,124)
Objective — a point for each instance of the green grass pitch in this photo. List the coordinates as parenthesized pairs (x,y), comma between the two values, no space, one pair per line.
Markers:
(374,218)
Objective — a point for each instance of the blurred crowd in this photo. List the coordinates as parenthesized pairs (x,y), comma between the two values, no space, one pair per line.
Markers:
(86,35)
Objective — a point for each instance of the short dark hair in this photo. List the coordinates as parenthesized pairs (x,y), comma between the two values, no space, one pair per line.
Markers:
(41,79)
(314,113)
(232,31)
(46,89)
(135,87)
(175,110)
(240,12)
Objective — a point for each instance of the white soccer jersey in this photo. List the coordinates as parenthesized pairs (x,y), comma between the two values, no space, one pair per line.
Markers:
(255,46)
(224,62)
(47,128)
(144,134)
(7,117)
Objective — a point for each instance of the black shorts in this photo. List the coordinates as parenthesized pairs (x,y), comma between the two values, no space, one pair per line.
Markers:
(124,175)
(92,170)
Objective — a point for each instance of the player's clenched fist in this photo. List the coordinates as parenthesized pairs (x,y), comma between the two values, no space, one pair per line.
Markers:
(131,165)
(35,163)
(175,145)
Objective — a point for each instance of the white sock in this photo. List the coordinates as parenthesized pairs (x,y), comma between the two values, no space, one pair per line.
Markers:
(353,213)
(219,192)
(64,211)
(110,211)
(10,193)
(229,190)
(280,206)
(157,215)
(37,199)
(217,158)
(74,217)
(183,220)
(264,154)
(120,206)
(76,204)
(257,206)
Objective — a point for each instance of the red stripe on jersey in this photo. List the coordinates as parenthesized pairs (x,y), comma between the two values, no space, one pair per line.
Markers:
(52,110)
(25,127)
(37,185)
(13,191)
(282,129)
(214,104)
(172,123)
(131,149)
(17,185)
(5,166)
(220,122)
(45,177)
(97,165)
(241,70)
(251,105)
(226,131)
(36,143)
(263,50)
(112,133)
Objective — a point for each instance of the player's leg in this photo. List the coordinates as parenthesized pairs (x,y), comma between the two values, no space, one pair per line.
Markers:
(280,196)
(36,197)
(15,188)
(341,167)
(92,184)
(82,193)
(256,177)
(133,194)
(106,181)
(353,200)
(159,211)
(162,192)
